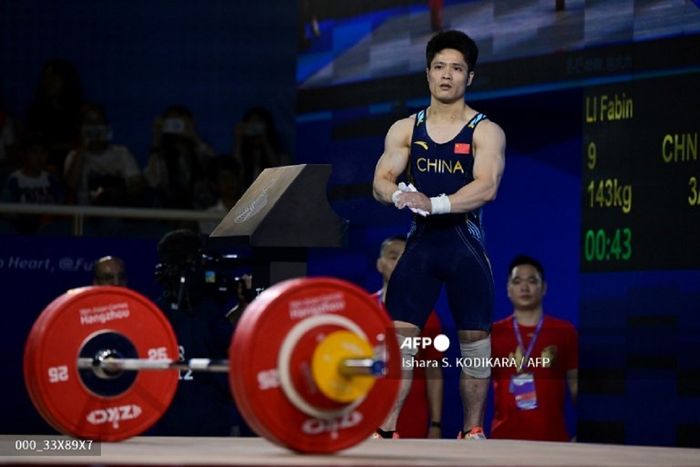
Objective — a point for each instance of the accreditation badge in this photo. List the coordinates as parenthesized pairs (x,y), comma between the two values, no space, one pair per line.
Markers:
(522,386)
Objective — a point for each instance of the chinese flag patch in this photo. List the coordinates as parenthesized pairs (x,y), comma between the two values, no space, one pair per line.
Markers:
(462,148)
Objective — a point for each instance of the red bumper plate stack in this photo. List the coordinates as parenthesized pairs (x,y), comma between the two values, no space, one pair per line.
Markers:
(271,358)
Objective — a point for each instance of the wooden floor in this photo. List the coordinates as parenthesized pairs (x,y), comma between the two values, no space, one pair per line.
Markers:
(257,451)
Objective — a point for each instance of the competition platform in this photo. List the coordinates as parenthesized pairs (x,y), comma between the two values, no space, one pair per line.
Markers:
(257,451)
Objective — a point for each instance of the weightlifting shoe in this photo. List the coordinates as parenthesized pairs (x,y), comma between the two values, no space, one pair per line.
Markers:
(475,433)
(379,434)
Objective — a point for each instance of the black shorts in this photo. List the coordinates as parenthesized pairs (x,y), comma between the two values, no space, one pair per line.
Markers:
(437,255)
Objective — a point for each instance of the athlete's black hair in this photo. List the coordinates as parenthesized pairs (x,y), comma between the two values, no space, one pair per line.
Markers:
(452,40)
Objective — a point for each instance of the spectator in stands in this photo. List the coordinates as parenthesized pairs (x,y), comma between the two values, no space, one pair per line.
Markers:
(8,142)
(32,184)
(99,172)
(256,144)
(55,111)
(224,176)
(109,270)
(175,169)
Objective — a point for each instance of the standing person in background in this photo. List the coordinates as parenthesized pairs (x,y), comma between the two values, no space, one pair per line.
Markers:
(175,172)
(32,184)
(109,270)
(308,14)
(435,14)
(55,110)
(529,399)
(256,144)
(454,157)
(224,177)
(99,172)
(8,141)
(415,420)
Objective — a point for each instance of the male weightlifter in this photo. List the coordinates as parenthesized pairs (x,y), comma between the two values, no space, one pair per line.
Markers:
(453,157)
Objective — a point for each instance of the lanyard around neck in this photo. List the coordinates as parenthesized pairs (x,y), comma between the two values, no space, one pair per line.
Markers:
(531,346)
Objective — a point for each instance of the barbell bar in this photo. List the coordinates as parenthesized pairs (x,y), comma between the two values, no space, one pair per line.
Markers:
(103,364)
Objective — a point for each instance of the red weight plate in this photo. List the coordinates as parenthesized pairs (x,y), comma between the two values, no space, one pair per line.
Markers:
(36,392)
(78,320)
(271,340)
(29,361)
(29,380)
(242,403)
(30,369)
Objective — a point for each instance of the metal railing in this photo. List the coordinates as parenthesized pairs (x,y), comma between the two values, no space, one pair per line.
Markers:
(79,213)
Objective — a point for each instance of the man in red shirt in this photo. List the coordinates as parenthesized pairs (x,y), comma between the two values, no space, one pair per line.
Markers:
(424,401)
(534,357)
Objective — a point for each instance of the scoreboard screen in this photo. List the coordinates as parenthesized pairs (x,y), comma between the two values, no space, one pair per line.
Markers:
(641,175)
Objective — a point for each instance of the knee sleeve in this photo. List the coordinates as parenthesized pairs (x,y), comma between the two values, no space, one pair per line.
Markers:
(476,358)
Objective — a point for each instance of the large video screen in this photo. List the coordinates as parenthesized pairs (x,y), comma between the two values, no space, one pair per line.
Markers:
(523,43)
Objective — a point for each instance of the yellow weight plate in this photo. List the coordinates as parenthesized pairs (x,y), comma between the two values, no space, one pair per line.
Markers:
(327,359)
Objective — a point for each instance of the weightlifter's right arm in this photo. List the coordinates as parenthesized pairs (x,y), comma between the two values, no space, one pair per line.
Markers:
(393,161)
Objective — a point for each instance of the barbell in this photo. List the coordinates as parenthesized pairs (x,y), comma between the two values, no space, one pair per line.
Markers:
(313,364)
